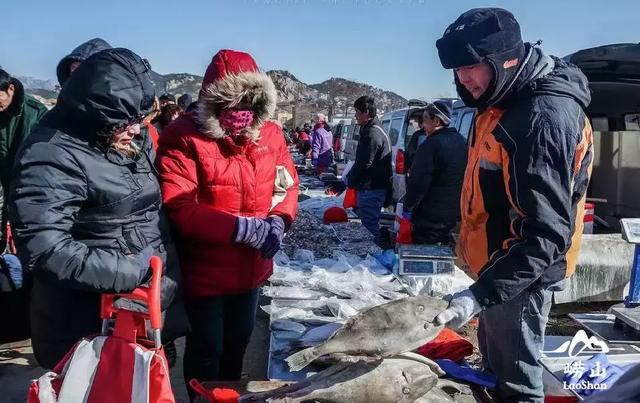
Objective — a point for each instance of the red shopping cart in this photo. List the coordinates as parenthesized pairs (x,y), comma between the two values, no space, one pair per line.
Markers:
(125,363)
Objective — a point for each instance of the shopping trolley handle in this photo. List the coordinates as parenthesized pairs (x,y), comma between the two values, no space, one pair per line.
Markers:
(149,295)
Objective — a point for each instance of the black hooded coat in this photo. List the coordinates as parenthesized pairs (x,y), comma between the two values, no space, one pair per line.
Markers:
(82,211)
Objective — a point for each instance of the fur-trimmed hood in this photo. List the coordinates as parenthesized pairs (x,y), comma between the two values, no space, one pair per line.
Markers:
(233,78)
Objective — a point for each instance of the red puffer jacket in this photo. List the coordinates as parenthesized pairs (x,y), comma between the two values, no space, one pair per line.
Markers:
(206,183)
(209,178)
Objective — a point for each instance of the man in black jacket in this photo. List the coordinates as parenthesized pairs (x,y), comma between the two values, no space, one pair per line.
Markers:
(433,188)
(417,138)
(371,171)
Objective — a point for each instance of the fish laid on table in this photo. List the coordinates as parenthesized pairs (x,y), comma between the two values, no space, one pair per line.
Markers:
(448,391)
(381,331)
(392,380)
(335,358)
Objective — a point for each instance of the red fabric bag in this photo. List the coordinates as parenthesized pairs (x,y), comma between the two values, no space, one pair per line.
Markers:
(350,198)
(448,344)
(404,233)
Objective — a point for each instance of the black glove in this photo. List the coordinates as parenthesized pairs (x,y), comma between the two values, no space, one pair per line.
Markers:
(273,241)
(252,231)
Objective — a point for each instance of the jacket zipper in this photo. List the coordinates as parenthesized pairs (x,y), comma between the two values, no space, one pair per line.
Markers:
(240,160)
(474,144)
(473,188)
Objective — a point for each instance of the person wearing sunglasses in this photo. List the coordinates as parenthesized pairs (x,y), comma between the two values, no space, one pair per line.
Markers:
(85,202)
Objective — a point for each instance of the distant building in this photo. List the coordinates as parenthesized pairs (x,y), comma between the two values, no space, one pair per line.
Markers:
(284,117)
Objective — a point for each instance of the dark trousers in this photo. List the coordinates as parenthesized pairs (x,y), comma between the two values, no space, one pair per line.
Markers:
(370,202)
(220,330)
(429,233)
(511,337)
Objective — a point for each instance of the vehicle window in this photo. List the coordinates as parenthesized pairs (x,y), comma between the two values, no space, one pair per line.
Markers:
(454,119)
(356,132)
(410,130)
(385,125)
(601,124)
(394,130)
(465,124)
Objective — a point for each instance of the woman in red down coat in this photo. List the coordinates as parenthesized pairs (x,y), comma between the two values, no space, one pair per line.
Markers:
(218,171)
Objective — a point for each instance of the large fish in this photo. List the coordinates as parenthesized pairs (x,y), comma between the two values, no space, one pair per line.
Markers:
(448,391)
(397,380)
(381,331)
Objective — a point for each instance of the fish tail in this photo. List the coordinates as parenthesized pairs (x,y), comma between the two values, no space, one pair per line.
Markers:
(302,358)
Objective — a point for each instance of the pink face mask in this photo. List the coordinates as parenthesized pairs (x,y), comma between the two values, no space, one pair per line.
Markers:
(235,120)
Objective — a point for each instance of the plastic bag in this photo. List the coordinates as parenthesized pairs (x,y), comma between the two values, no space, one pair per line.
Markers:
(303,256)
(291,292)
(350,198)
(404,233)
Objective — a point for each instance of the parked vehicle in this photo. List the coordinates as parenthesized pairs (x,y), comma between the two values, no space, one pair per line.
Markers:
(462,118)
(350,137)
(614,77)
(338,129)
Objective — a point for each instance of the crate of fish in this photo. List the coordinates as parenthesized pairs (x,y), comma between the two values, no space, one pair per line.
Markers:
(424,260)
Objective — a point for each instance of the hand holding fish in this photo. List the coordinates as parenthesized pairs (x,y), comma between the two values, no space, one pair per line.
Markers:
(462,307)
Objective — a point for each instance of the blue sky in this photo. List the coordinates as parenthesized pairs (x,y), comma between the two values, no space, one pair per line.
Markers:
(386,43)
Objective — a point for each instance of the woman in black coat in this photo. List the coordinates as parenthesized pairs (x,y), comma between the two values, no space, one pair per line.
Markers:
(85,202)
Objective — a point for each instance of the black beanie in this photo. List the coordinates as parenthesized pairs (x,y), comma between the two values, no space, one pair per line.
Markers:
(477,34)
(441,110)
(484,34)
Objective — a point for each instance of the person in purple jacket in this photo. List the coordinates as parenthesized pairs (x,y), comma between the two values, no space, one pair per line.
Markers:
(321,144)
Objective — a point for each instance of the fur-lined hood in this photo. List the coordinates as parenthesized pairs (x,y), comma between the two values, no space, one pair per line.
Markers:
(231,78)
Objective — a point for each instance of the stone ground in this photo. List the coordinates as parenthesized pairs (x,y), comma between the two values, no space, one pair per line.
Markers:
(18,365)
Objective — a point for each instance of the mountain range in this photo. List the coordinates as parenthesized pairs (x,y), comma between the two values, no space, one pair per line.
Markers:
(334,96)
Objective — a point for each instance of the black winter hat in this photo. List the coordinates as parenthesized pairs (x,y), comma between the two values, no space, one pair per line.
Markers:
(490,35)
(110,89)
(442,110)
(477,34)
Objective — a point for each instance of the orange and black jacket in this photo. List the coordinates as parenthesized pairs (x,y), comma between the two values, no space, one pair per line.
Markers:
(523,195)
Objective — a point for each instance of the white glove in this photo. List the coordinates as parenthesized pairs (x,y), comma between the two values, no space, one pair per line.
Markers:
(462,307)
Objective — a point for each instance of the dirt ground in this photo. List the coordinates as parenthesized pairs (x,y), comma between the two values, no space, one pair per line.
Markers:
(18,366)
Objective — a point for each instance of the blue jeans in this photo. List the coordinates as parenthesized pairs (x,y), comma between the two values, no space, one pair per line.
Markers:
(511,337)
(220,330)
(370,203)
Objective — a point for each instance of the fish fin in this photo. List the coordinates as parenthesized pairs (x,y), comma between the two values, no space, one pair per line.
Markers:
(302,358)
(435,368)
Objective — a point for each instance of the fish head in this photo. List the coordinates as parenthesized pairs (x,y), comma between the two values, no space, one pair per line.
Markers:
(417,380)
(431,330)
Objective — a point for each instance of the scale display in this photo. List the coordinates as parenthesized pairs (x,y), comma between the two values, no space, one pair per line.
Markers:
(631,230)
